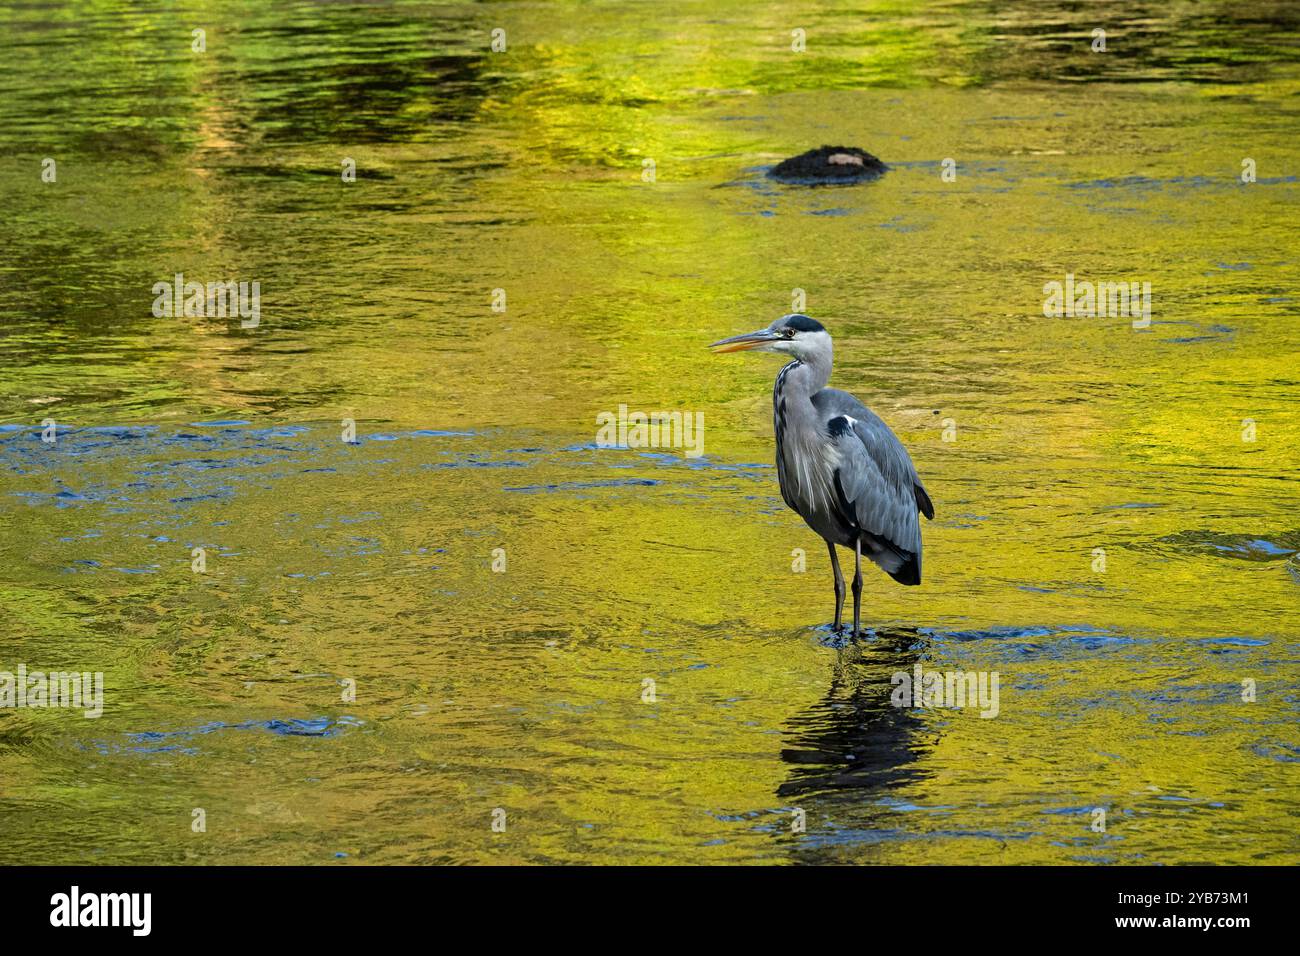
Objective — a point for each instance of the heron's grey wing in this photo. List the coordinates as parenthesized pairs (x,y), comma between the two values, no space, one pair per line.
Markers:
(876,484)
(882,445)
(881,499)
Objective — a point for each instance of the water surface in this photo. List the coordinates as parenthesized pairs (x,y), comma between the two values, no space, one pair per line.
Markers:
(371,561)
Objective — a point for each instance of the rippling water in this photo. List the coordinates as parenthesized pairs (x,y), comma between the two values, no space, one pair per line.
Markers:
(332,562)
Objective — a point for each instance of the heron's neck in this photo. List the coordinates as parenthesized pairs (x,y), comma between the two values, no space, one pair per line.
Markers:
(804,377)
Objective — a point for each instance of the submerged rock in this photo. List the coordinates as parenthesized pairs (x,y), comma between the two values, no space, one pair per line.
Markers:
(830,165)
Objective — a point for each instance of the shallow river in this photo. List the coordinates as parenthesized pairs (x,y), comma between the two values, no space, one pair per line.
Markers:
(474,613)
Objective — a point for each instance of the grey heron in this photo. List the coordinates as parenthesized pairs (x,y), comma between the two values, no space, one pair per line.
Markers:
(839,466)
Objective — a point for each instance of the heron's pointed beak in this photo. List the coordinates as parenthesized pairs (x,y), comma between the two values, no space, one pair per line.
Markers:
(743,343)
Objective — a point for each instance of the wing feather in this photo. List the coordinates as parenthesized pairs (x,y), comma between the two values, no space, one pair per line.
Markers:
(877,484)
(882,498)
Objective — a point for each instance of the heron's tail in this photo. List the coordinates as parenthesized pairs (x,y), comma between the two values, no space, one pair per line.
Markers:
(900,564)
(923,502)
(910,572)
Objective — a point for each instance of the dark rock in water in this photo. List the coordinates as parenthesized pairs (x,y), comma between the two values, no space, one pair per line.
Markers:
(830,165)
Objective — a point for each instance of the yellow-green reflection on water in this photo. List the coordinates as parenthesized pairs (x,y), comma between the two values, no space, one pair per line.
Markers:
(330,562)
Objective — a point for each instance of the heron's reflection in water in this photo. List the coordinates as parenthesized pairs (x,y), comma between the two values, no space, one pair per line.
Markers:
(853,739)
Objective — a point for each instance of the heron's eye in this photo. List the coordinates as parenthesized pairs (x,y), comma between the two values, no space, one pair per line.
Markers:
(787,332)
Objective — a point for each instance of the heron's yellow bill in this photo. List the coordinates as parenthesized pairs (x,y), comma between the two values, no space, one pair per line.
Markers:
(743,343)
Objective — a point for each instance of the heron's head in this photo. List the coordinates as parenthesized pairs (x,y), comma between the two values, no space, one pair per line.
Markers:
(795,335)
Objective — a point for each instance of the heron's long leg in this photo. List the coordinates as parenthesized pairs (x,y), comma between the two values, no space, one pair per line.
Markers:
(839,585)
(857,585)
